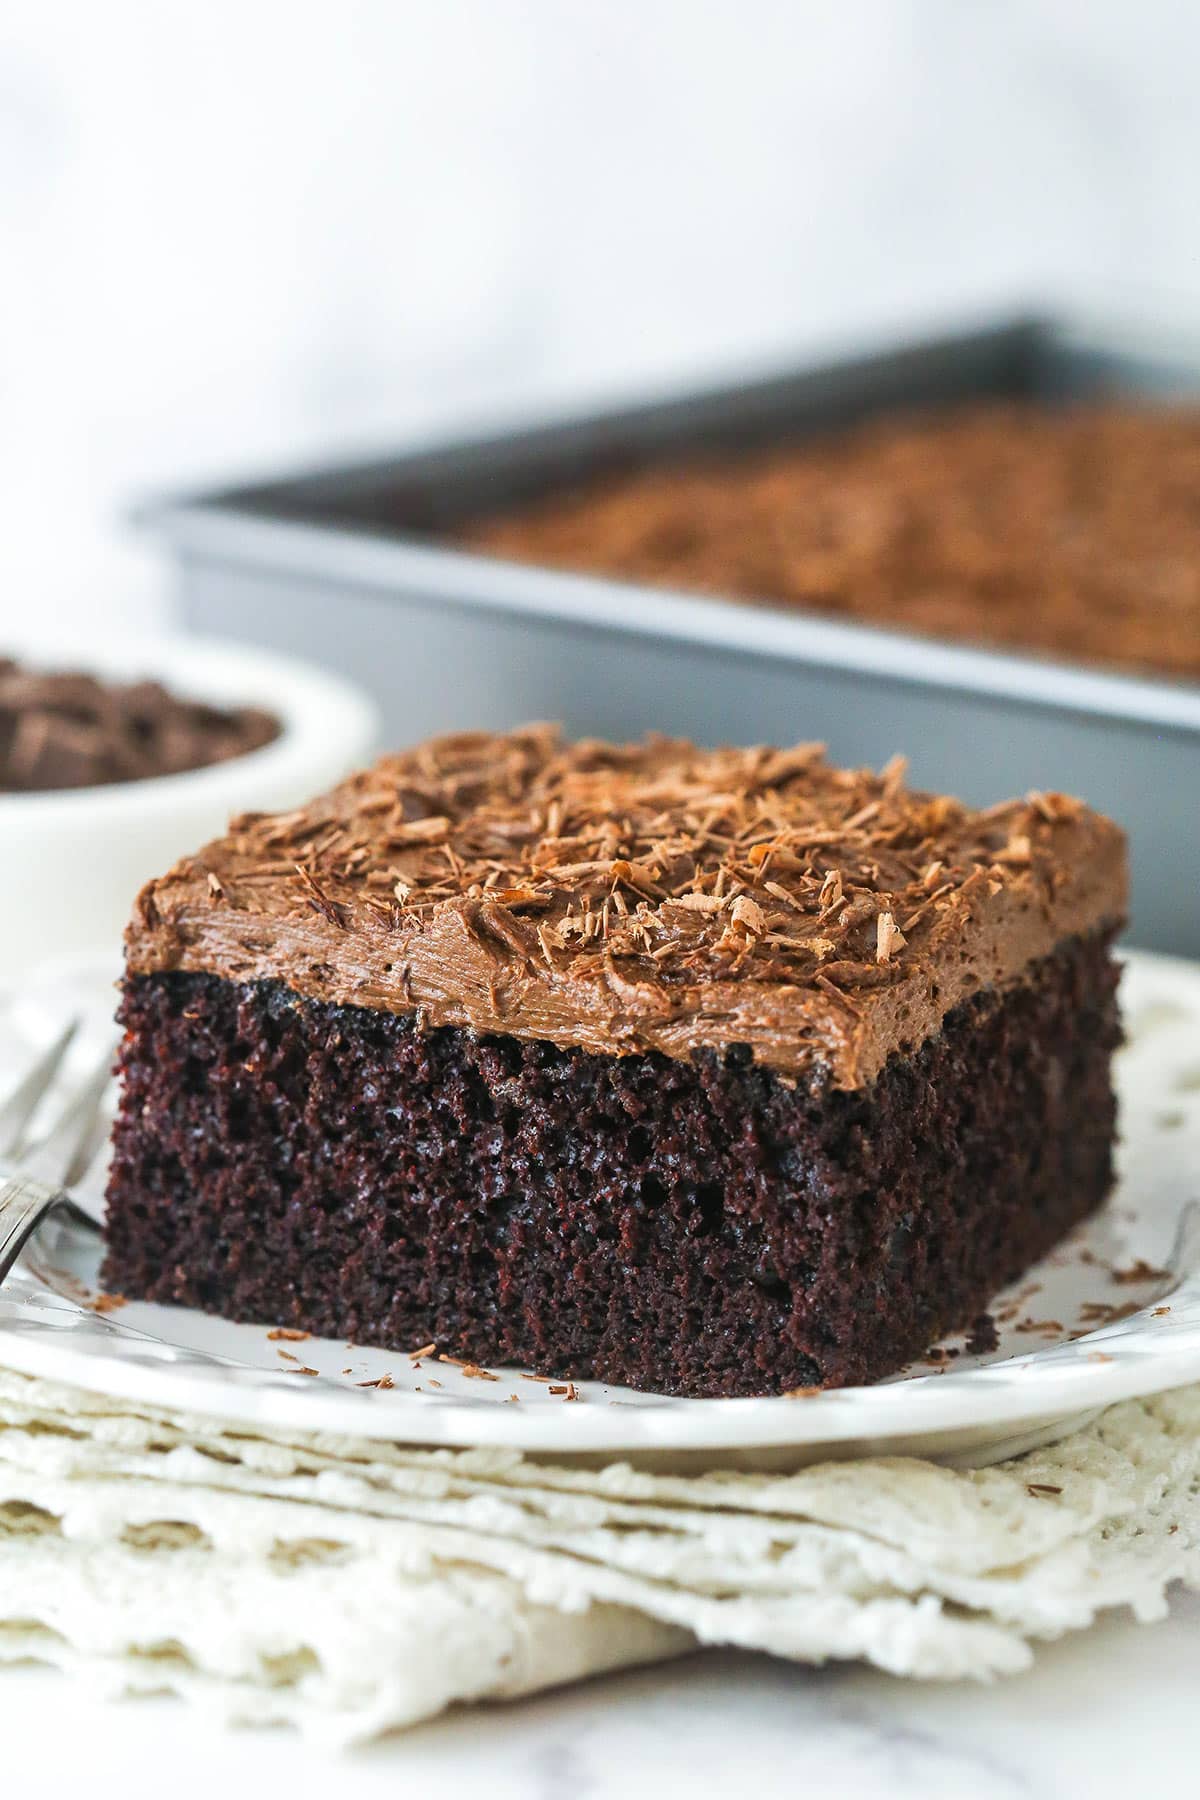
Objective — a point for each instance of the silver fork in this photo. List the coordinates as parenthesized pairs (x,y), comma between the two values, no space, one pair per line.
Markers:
(35,1177)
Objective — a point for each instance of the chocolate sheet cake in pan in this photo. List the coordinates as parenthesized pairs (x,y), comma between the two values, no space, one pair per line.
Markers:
(371,566)
(710,1072)
(1073,531)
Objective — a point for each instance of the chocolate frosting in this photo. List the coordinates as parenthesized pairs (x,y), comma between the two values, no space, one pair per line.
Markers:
(643,897)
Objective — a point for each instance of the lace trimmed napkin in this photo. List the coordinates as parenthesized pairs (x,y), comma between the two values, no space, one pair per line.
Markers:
(350,1587)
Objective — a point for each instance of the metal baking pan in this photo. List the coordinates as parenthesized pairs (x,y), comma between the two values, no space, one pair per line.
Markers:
(345,566)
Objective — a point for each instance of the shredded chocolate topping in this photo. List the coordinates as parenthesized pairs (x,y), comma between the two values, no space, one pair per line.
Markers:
(652,896)
(908,522)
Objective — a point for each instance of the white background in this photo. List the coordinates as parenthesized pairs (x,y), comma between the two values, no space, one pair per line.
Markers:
(249,232)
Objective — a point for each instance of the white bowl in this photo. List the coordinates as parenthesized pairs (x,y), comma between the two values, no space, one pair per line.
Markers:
(72,860)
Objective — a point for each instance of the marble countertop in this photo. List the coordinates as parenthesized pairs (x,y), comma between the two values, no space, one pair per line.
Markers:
(1099,1713)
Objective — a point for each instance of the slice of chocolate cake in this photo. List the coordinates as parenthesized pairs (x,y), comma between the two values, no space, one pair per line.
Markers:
(711,1072)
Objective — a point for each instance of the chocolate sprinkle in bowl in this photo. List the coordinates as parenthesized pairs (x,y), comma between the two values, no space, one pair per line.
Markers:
(116,755)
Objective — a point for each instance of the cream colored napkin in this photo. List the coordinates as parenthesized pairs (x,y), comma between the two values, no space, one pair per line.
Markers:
(349,1587)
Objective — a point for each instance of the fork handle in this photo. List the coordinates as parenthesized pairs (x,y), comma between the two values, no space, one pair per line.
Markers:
(24,1203)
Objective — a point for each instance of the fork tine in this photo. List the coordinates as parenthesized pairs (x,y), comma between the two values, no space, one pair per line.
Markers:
(23,1102)
(60,1154)
(89,1178)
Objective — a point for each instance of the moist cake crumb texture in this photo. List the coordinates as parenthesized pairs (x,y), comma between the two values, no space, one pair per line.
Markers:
(706,1072)
(691,1228)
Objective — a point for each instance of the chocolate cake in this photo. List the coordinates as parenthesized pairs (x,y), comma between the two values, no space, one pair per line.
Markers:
(710,1072)
(1071,531)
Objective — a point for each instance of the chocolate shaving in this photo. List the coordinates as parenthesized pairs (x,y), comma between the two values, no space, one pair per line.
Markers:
(106,1303)
(67,730)
(1139,1271)
(888,937)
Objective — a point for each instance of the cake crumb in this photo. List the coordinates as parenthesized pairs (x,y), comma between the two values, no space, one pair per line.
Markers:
(287,1334)
(983,1337)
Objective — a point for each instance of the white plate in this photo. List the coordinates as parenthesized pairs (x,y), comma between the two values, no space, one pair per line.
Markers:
(1062,1356)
